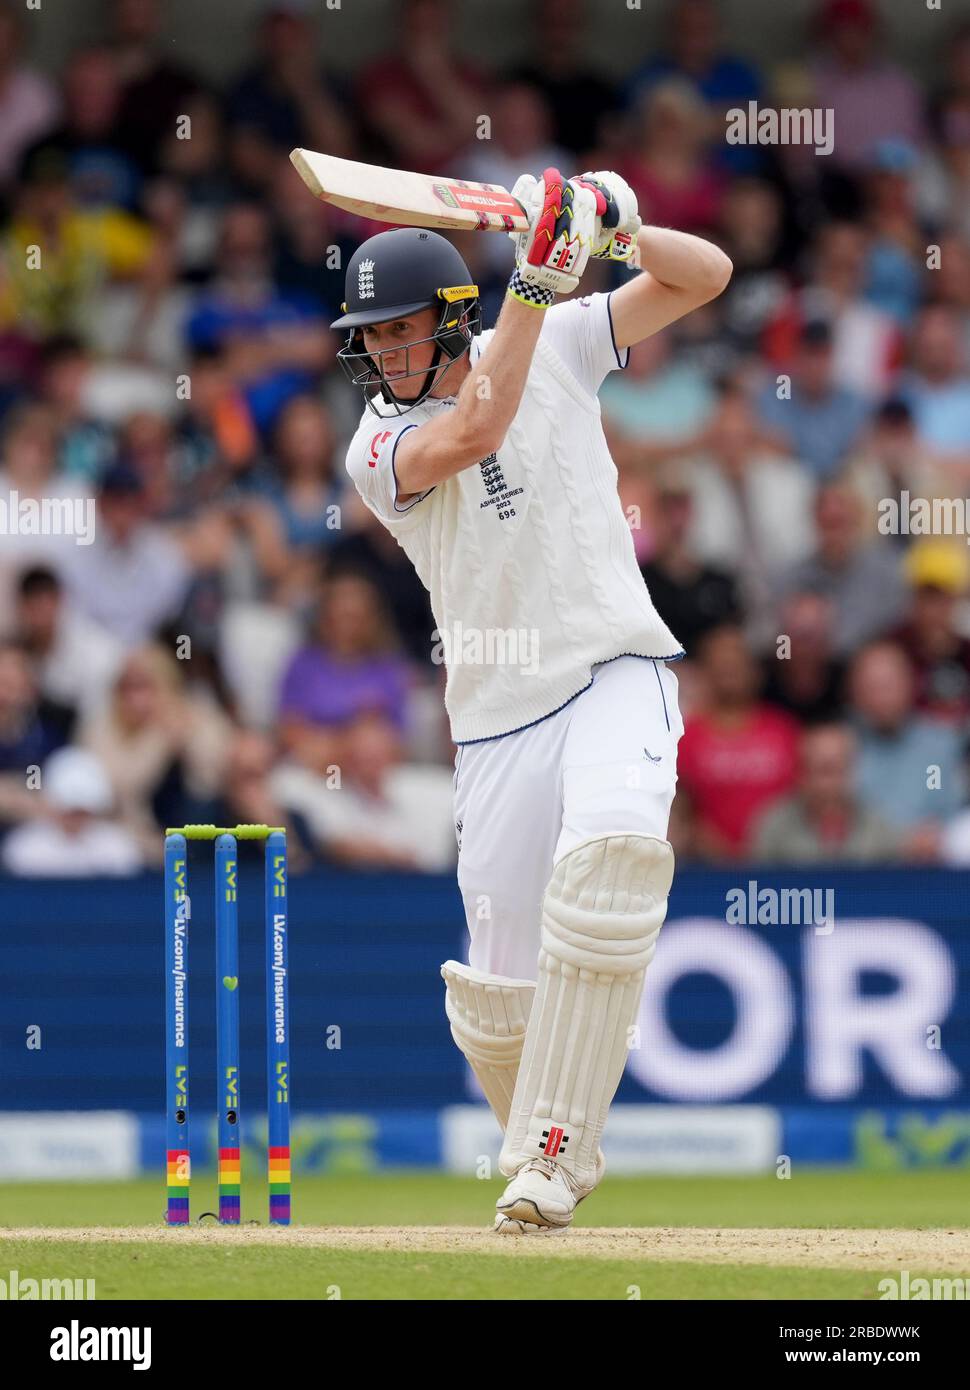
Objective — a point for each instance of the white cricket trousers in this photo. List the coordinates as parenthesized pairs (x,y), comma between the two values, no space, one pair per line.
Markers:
(604,764)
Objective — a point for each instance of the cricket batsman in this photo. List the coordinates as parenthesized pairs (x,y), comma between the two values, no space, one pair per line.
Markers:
(484,455)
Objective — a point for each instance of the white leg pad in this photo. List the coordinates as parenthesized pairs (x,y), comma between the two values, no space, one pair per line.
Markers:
(601,915)
(488,1016)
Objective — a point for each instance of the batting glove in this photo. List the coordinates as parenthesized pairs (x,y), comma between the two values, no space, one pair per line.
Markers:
(552,254)
(616,208)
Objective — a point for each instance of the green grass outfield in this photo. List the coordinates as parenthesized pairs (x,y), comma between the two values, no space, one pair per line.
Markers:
(818,1210)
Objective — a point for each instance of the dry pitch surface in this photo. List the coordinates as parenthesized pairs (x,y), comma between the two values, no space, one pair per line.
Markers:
(943,1251)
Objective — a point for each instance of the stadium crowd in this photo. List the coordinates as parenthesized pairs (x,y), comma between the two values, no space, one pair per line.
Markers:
(239,640)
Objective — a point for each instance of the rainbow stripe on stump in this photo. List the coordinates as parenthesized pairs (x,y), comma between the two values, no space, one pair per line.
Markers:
(279,1186)
(177,1167)
(229,1185)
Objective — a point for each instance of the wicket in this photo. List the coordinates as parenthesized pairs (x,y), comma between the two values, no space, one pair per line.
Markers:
(177,917)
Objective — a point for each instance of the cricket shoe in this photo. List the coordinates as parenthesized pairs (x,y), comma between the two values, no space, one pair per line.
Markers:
(541,1198)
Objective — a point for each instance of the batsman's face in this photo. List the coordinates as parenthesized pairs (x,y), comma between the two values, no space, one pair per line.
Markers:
(404,358)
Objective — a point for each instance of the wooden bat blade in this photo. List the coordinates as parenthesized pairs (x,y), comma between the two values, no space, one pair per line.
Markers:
(415,200)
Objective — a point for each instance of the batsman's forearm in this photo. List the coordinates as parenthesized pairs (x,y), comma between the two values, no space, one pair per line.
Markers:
(492,391)
(681,260)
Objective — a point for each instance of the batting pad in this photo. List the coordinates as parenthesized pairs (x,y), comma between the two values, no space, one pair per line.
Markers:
(601,915)
(488,1016)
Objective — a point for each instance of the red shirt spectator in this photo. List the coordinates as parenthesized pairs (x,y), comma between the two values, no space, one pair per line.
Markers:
(737,755)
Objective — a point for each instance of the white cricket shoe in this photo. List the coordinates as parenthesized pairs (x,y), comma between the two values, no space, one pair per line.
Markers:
(540,1199)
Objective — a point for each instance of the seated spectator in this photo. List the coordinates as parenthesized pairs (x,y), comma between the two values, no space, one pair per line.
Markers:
(581,101)
(937,387)
(897,259)
(29,101)
(866,343)
(85,249)
(862,579)
(31,485)
(890,460)
(753,234)
(156,88)
(818,422)
(306,483)
(285,99)
(670,167)
(422,99)
(807,681)
(73,659)
(351,667)
(737,755)
(872,97)
(164,748)
(31,727)
(930,635)
(74,836)
(658,406)
(134,576)
(752,503)
(273,344)
(86,448)
(824,822)
(695,53)
(383,813)
(691,596)
(102,174)
(909,767)
(248,796)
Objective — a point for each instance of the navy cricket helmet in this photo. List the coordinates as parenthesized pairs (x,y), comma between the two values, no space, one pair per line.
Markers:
(391,276)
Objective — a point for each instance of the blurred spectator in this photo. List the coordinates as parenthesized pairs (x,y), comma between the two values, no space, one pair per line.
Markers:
(937,387)
(84,249)
(249,797)
(73,659)
(384,814)
(73,837)
(29,478)
(752,230)
(724,80)
(285,99)
(692,597)
(165,749)
(31,727)
(909,766)
(866,343)
(155,88)
(897,255)
(422,100)
(808,682)
(752,504)
(306,489)
(889,461)
(943,178)
(939,652)
(669,166)
(580,100)
(861,579)
(818,421)
(351,667)
(86,447)
(824,823)
(134,576)
(737,755)
(365,546)
(871,96)
(272,343)
(658,406)
(101,173)
(29,103)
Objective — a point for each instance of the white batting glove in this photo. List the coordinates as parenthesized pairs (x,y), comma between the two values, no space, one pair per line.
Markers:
(616,207)
(552,254)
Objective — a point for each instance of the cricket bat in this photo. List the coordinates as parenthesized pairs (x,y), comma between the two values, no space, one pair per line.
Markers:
(422,200)
(414,200)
